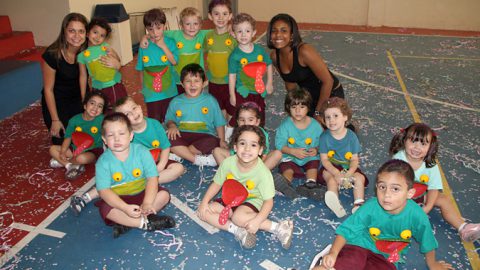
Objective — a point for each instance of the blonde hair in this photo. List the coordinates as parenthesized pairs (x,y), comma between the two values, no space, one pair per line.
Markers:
(190,11)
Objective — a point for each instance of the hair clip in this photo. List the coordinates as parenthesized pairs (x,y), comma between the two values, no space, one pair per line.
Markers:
(401,130)
(434,134)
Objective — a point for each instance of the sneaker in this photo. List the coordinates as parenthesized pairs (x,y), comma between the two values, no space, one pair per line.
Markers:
(470,232)
(283,185)
(174,157)
(55,164)
(205,160)
(356,204)
(312,190)
(332,201)
(119,230)
(317,260)
(284,233)
(74,171)
(77,204)
(159,222)
(246,239)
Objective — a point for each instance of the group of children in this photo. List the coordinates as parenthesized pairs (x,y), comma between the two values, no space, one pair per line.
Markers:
(139,154)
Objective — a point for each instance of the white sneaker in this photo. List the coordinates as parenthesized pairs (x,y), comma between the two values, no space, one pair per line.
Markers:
(317,260)
(332,201)
(246,239)
(284,233)
(174,157)
(55,164)
(228,133)
(204,160)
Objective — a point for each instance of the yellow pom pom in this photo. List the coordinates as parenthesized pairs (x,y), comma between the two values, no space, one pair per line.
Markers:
(230,176)
(243,61)
(406,234)
(86,53)
(204,110)
(164,58)
(178,113)
(250,184)
(374,231)
(331,153)
(78,129)
(136,172)
(348,155)
(198,46)
(117,177)
(94,130)
(179,45)
(104,48)
(210,41)
(260,58)
(228,42)
(308,141)
(145,59)
(424,178)
(291,140)
(155,143)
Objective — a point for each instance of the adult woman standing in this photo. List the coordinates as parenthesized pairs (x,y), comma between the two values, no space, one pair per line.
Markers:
(61,95)
(299,63)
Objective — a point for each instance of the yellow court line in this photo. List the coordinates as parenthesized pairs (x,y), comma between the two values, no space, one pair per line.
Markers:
(436,58)
(469,247)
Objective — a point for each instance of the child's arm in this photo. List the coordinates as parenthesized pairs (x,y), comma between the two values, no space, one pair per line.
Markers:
(330,168)
(432,263)
(111,60)
(432,196)
(269,86)
(64,148)
(354,161)
(151,191)
(162,162)
(253,224)
(83,77)
(232,77)
(161,43)
(330,259)
(203,208)
(172,130)
(299,153)
(221,136)
(112,199)
(144,42)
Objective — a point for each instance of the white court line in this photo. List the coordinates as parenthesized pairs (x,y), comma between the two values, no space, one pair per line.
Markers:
(191,214)
(401,93)
(44,231)
(41,228)
(269,265)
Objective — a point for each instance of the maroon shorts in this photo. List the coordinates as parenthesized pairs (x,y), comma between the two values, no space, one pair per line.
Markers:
(298,171)
(247,204)
(322,181)
(354,257)
(180,89)
(104,208)
(158,109)
(221,93)
(239,100)
(113,94)
(204,142)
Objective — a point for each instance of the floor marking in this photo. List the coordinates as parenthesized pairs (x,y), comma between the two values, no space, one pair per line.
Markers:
(42,227)
(387,34)
(44,231)
(269,265)
(402,93)
(191,214)
(469,247)
(436,57)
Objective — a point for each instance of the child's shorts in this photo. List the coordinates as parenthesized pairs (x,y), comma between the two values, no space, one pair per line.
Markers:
(258,99)
(158,109)
(355,257)
(114,93)
(204,142)
(247,204)
(222,94)
(104,208)
(322,181)
(299,171)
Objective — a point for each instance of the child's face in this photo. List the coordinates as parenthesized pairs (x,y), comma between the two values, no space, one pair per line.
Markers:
(96,35)
(248,117)
(193,85)
(75,34)
(220,16)
(417,150)
(247,147)
(244,33)
(392,191)
(281,34)
(117,136)
(334,119)
(298,112)
(133,111)
(94,106)
(190,26)
(155,31)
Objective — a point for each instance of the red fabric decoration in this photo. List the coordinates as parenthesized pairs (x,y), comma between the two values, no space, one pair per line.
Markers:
(82,141)
(256,70)
(233,194)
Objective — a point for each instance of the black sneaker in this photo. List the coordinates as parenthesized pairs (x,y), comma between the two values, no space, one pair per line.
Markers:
(283,185)
(77,204)
(312,190)
(159,222)
(119,230)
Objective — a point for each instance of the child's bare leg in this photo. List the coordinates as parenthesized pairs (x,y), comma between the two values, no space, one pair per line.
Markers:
(120,217)
(288,173)
(212,216)
(183,152)
(359,186)
(312,174)
(55,153)
(332,184)
(162,198)
(84,158)
(449,213)
(272,159)
(331,196)
(170,173)
(220,154)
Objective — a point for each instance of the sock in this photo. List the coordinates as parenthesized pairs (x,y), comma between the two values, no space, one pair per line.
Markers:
(143,223)
(358,201)
(86,197)
(68,166)
(232,228)
(273,227)
(462,226)
(311,180)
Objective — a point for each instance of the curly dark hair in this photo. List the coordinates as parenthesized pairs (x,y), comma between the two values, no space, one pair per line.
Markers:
(96,93)
(336,102)
(262,141)
(296,38)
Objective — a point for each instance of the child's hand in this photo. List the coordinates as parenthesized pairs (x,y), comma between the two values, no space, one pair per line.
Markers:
(110,62)
(312,152)
(173,132)
(233,100)
(144,42)
(161,44)
(329,261)
(133,210)
(440,265)
(223,144)
(147,209)
(339,178)
(253,225)
(300,153)
(203,211)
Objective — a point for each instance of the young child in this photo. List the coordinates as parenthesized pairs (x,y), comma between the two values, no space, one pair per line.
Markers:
(249,114)
(390,217)
(339,149)
(246,66)
(103,70)
(155,63)
(147,132)
(418,145)
(219,44)
(248,169)
(297,137)
(194,118)
(88,123)
(127,180)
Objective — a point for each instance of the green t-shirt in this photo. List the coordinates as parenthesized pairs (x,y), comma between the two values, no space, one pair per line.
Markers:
(218,48)
(153,136)
(92,128)
(102,76)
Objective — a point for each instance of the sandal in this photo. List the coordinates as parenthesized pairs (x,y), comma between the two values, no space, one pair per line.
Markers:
(74,171)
